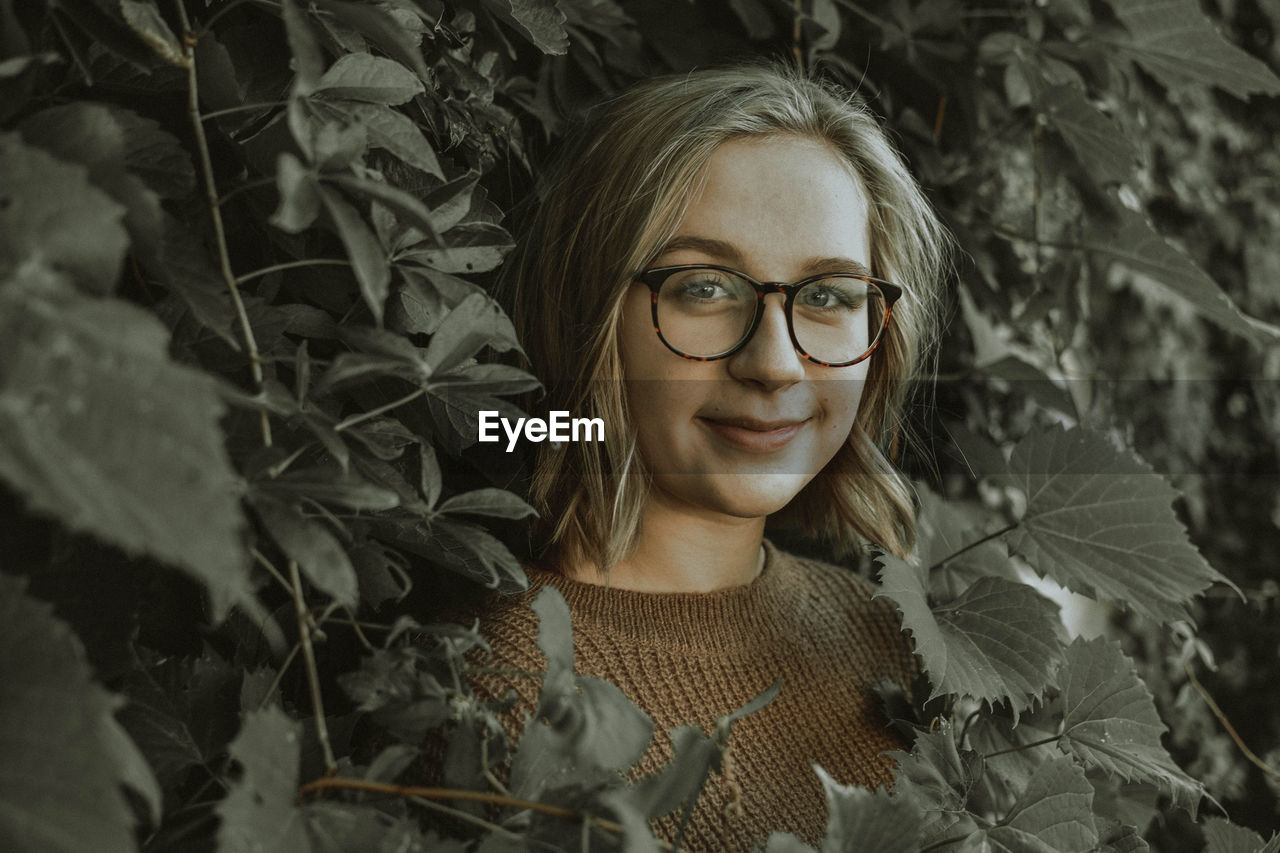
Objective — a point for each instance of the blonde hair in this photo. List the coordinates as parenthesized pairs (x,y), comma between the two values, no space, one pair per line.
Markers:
(617,195)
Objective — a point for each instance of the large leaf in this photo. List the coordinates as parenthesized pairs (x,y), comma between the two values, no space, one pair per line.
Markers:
(259,811)
(50,214)
(65,756)
(361,77)
(382,29)
(1223,836)
(938,776)
(1102,148)
(477,321)
(1131,241)
(997,642)
(99,429)
(318,552)
(368,260)
(1100,522)
(869,821)
(1110,721)
(396,133)
(541,20)
(1053,815)
(1174,41)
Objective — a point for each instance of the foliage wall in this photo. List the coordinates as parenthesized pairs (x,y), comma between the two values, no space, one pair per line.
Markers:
(245,254)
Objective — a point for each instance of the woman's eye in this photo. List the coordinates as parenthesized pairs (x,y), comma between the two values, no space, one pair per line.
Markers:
(705,290)
(833,297)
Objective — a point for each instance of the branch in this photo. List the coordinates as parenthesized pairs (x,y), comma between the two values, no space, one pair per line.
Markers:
(1226,724)
(211,194)
(974,544)
(313,676)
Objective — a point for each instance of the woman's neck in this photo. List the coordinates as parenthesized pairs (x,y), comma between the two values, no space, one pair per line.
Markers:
(683,550)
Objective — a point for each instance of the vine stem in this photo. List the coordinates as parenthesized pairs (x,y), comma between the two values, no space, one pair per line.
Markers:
(373,413)
(1226,724)
(974,544)
(313,676)
(309,262)
(189,39)
(1034,743)
(410,791)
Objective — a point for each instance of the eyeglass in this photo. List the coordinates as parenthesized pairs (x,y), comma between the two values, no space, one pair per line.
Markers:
(708,312)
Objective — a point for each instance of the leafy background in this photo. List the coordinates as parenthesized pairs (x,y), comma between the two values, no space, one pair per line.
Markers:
(245,256)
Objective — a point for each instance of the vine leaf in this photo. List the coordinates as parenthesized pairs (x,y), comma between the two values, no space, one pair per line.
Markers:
(1110,721)
(940,777)
(90,432)
(498,503)
(1054,813)
(1176,43)
(998,641)
(258,812)
(396,133)
(361,77)
(65,754)
(51,214)
(477,321)
(318,552)
(862,820)
(1223,836)
(144,18)
(1104,150)
(383,30)
(1131,241)
(1100,522)
(367,257)
(541,20)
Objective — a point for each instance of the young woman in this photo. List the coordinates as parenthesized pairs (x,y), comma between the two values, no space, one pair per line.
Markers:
(735,272)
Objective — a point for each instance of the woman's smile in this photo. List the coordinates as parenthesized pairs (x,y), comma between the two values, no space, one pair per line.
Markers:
(753,435)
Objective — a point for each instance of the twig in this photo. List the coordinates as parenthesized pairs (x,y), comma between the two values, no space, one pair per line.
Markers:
(313,676)
(373,413)
(1226,724)
(211,194)
(275,682)
(974,544)
(243,108)
(309,262)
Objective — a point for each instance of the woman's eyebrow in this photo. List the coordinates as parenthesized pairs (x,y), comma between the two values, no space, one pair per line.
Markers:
(834,264)
(720,249)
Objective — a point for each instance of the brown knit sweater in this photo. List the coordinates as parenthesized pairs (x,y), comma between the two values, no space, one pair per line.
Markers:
(693,657)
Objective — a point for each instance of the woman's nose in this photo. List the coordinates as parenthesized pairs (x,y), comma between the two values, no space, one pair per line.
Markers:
(769,358)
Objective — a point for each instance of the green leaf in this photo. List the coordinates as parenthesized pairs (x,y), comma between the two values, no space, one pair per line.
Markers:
(318,552)
(335,827)
(1223,836)
(938,777)
(498,503)
(299,195)
(99,429)
(367,257)
(1130,240)
(382,29)
(474,247)
(1103,149)
(869,821)
(361,77)
(396,133)
(1177,44)
(997,642)
(397,199)
(1099,521)
(65,756)
(50,214)
(157,727)
(308,61)
(144,18)
(540,20)
(476,322)
(1109,720)
(258,812)
(1053,815)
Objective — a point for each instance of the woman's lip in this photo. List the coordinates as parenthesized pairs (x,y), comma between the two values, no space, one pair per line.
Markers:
(755,436)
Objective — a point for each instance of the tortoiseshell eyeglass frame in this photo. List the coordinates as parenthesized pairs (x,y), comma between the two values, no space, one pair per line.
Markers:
(654,279)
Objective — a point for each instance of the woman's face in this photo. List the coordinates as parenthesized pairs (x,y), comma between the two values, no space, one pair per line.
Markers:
(742,436)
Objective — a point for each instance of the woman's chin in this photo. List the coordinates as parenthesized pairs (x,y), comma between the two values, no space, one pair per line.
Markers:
(735,495)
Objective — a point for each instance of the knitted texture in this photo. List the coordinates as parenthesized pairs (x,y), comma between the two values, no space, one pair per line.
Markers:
(693,657)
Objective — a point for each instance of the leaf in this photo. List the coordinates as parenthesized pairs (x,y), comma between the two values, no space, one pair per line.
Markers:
(396,133)
(1103,149)
(363,828)
(361,77)
(99,429)
(50,214)
(1053,815)
(498,503)
(1132,242)
(477,321)
(938,777)
(1109,720)
(308,61)
(258,812)
(156,726)
(144,18)
(997,642)
(1223,836)
(1176,43)
(299,195)
(869,821)
(368,260)
(540,20)
(65,756)
(476,247)
(1100,522)
(396,199)
(318,553)
(383,30)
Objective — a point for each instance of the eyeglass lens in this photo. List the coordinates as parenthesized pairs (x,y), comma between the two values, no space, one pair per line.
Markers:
(706,313)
